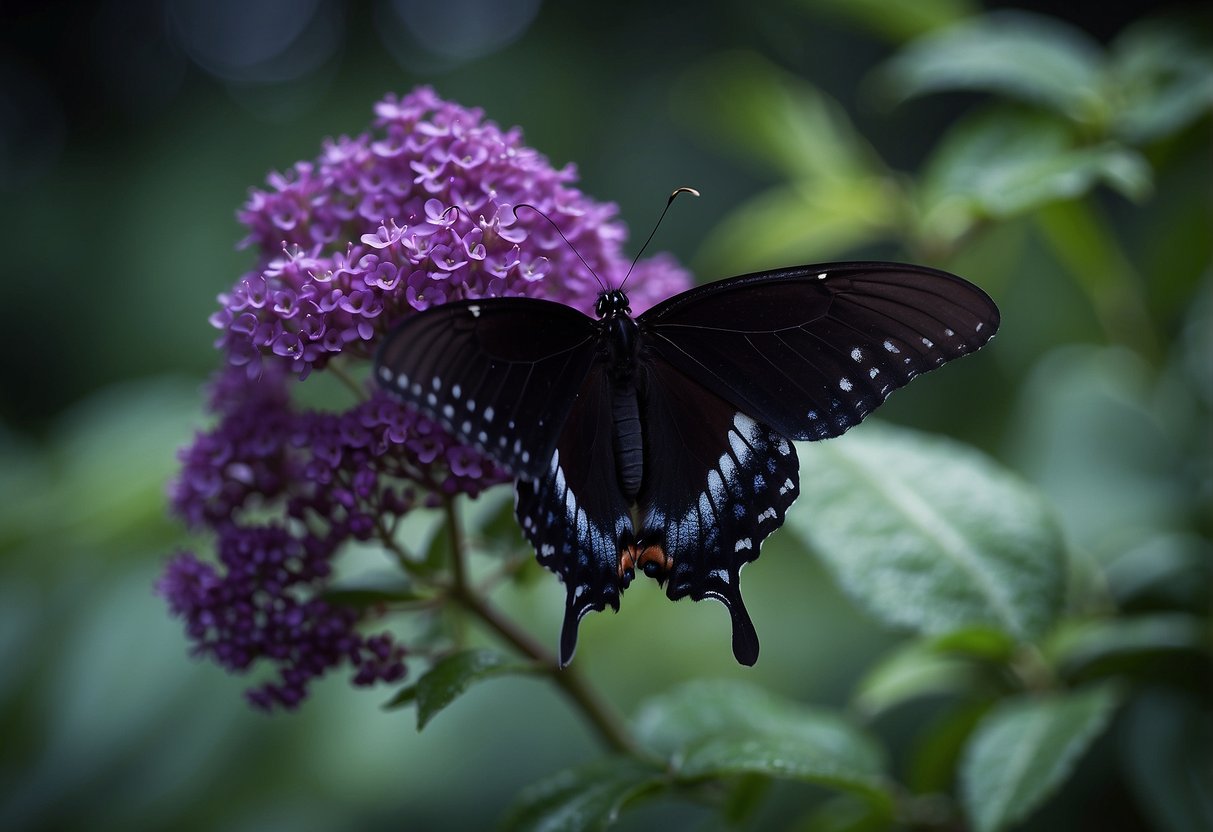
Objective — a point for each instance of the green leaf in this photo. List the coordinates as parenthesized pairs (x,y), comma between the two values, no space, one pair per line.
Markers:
(938,747)
(775,118)
(839,193)
(1028,57)
(843,813)
(1025,749)
(913,671)
(773,226)
(1079,646)
(451,676)
(896,20)
(585,798)
(930,534)
(942,665)
(725,729)
(1089,433)
(407,695)
(1164,79)
(1002,163)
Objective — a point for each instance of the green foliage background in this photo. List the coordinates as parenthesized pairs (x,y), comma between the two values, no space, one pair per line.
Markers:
(1065,167)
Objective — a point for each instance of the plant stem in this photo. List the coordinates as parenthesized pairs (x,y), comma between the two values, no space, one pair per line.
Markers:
(338,372)
(606,721)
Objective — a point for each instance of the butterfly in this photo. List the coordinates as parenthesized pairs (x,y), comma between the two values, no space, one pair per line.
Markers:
(662,443)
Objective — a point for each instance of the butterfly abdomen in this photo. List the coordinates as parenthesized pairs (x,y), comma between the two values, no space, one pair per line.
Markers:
(629,442)
(622,345)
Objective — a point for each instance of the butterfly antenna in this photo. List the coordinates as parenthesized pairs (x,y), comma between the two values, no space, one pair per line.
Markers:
(668,203)
(572,248)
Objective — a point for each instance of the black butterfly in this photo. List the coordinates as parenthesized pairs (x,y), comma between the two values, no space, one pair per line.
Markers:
(662,442)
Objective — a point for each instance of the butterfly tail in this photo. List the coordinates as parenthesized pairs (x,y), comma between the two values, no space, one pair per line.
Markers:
(576,609)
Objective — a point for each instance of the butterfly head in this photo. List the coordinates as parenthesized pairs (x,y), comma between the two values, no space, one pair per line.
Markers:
(612,304)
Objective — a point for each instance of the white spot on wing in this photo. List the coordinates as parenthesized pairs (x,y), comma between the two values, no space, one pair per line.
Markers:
(385,373)
(845,385)
(475,310)
(821,276)
(488,414)
(857,354)
(889,347)
(744,543)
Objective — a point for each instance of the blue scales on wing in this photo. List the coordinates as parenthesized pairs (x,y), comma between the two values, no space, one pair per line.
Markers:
(575,515)
(717,482)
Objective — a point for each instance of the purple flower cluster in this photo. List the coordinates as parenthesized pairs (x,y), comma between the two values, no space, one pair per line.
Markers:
(422,210)
(418,214)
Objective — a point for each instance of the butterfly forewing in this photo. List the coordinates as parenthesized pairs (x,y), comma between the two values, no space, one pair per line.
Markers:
(500,374)
(812,350)
(716,484)
(574,514)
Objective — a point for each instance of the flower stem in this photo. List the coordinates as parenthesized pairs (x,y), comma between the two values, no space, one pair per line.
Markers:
(605,719)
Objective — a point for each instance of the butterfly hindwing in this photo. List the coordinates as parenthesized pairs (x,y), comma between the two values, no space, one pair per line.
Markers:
(498,373)
(717,482)
(574,514)
(812,350)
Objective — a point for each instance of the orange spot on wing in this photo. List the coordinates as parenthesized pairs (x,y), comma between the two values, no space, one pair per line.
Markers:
(632,557)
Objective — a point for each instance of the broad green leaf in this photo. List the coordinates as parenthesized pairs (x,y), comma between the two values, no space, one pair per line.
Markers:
(1163,77)
(724,729)
(930,534)
(1089,433)
(941,665)
(1029,57)
(775,117)
(914,670)
(800,222)
(1081,645)
(451,676)
(586,798)
(1175,569)
(843,813)
(939,744)
(839,194)
(1025,749)
(1001,163)
(896,20)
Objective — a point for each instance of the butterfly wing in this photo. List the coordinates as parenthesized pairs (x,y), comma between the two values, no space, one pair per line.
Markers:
(500,374)
(811,350)
(717,482)
(575,514)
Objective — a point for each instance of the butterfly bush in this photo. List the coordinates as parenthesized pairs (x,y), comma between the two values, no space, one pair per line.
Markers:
(422,209)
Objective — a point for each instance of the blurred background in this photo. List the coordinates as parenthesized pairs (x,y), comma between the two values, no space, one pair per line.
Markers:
(130,133)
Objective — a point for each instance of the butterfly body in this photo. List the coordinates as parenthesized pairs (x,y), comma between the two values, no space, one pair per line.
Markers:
(661,443)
